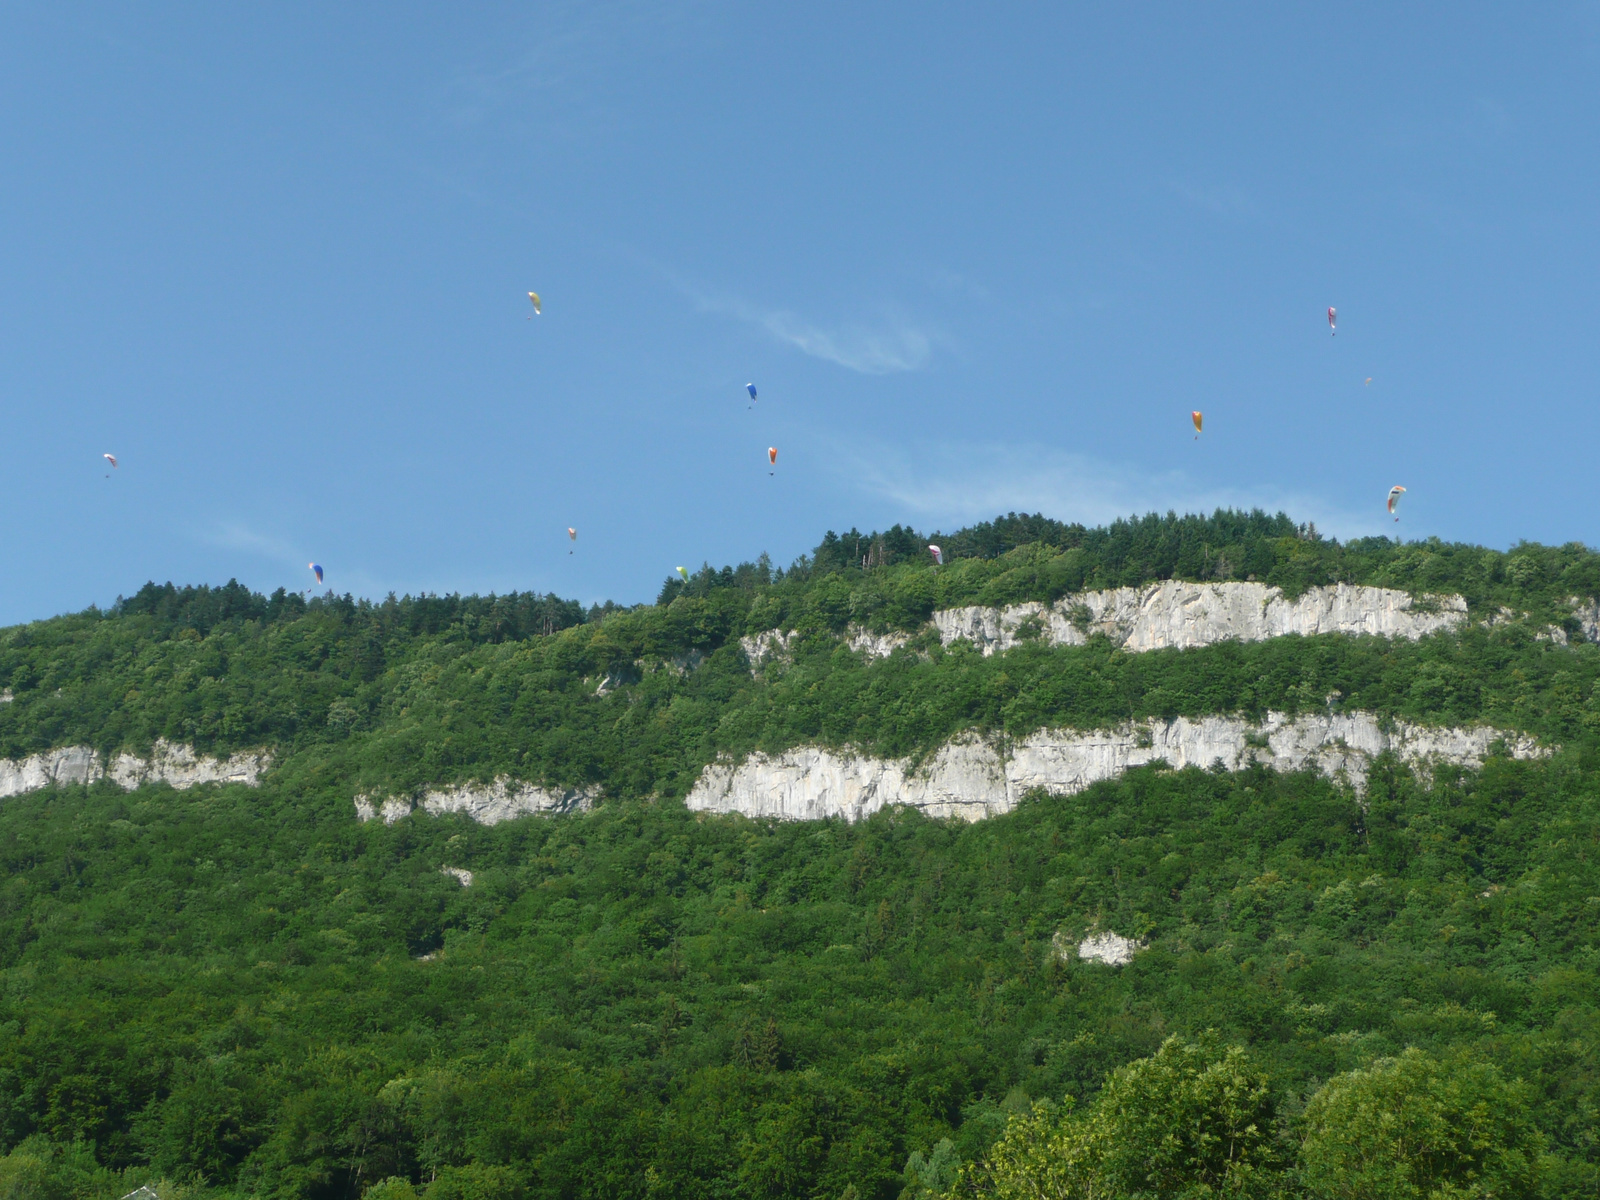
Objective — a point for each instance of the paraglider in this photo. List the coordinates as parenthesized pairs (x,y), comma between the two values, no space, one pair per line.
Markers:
(110,458)
(534,296)
(573,534)
(1333,316)
(1198,418)
(316,570)
(772,457)
(682,571)
(1368,383)
(1394,500)
(938,555)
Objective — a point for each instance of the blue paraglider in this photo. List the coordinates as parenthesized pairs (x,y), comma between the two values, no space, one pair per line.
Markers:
(316,570)
(751,388)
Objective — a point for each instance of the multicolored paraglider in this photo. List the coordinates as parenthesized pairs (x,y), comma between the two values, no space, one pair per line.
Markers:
(772,457)
(938,555)
(534,297)
(316,570)
(110,458)
(1198,418)
(1333,317)
(572,534)
(1394,500)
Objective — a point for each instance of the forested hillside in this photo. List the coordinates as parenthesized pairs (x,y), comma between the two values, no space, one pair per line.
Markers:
(242,990)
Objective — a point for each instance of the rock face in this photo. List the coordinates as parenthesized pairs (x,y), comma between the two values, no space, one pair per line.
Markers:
(758,647)
(970,778)
(1164,616)
(460,874)
(1176,615)
(1109,948)
(169,762)
(488,804)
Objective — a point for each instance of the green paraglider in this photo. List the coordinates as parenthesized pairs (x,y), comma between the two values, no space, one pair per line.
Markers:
(684,573)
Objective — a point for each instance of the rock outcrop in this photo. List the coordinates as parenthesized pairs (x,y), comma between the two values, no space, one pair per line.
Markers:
(1109,948)
(1176,615)
(488,804)
(169,762)
(971,778)
(1165,616)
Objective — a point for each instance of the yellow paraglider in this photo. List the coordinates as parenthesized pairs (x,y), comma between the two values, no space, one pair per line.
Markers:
(534,296)
(1198,418)
(684,573)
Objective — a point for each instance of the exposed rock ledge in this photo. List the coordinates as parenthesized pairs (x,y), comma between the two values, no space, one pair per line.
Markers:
(488,804)
(1171,615)
(971,778)
(169,762)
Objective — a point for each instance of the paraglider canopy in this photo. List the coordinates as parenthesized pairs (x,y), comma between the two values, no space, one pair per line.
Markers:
(315,570)
(572,533)
(751,388)
(1394,499)
(534,297)
(938,555)
(772,454)
(110,458)
(1333,317)
(1197,417)
(684,573)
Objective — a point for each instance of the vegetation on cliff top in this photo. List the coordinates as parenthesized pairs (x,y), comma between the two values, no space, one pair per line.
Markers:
(248,992)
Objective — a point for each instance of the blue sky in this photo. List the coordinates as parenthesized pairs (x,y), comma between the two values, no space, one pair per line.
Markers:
(976,258)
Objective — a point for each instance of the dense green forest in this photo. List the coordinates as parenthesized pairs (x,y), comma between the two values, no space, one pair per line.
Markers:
(246,991)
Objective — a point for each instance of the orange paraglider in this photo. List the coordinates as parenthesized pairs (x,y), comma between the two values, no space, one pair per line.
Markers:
(772,457)
(1198,418)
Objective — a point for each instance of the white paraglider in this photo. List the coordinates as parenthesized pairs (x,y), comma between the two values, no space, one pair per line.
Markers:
(1394,500)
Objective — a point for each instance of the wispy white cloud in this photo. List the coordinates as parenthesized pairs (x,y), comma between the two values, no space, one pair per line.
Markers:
(950,486)
(234,535)
(231,535)
(1222,200)
(891,345)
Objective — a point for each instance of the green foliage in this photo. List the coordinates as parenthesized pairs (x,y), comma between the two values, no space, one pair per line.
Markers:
(1186,1122)
(1413,1127)
(248,992)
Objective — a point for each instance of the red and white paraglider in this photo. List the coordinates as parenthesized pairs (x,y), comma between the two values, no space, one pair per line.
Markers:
(772,457)
(110,458)
(938,555)
(1394,500)
(1333,322)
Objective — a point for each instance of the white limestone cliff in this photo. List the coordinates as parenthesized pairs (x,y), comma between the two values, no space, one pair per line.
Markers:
(1177,615)
(1174,614)
(1109,948)
(488,804)
(971,778)
(460,874)
(169,762)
